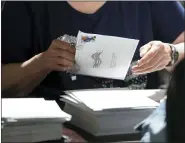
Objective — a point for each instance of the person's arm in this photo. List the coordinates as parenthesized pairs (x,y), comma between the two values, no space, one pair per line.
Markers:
(21,71)
(179,45)
(168,20)
(16,41)
(19,79)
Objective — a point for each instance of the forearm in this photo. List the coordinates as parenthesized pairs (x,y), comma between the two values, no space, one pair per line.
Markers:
(180,48)
(19,79)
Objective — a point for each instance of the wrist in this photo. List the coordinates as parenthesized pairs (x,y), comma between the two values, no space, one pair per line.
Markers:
(36,65)
(41,63)
(173,54)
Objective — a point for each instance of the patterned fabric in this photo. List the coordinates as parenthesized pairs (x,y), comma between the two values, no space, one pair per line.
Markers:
(135,81)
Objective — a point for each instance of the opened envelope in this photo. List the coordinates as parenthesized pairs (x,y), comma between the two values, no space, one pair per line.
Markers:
(103,56)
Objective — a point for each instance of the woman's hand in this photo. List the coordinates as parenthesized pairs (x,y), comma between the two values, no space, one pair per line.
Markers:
(155,56)
(59,57)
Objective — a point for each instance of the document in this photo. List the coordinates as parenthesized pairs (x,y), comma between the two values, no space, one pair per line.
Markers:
(32,108)
(98,100)
(109,111)
(31,120)
(103,56)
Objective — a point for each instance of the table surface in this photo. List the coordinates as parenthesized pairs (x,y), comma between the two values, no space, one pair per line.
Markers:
(74,134)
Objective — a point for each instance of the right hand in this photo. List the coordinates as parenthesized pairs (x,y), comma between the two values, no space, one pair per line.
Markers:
(59,57)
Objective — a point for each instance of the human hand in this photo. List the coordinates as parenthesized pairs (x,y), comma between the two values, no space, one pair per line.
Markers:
(155,56)
(59,57)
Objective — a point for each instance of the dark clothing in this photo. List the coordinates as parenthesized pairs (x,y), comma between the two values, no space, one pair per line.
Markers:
(28,28)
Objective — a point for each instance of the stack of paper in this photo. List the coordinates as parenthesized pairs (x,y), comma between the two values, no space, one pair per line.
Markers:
(110,111)
(31,120)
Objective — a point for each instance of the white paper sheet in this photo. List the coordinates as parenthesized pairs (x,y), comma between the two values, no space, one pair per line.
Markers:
(103,56)
(110,99)
(25,108)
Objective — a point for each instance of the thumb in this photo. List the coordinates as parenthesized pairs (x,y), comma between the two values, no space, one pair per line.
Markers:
(144,49)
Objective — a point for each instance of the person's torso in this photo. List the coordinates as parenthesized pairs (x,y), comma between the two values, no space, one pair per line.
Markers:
(122,19)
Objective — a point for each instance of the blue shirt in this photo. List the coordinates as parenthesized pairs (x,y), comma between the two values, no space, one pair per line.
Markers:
(28,28)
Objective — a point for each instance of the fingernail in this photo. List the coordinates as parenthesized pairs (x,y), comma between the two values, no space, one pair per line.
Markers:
(138,63)
(134,67)
(134,71)
(65,69)
(69,68)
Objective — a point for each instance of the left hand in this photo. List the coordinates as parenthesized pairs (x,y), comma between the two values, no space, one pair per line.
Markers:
(155,56)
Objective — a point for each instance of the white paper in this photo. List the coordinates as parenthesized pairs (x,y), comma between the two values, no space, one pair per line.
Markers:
(112,99)
(103,56)
(25,108)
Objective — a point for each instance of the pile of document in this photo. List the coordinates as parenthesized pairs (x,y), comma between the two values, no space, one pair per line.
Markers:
(31,120)
(109,111)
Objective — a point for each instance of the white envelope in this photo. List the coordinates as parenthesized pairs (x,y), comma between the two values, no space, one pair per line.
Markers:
(103,56)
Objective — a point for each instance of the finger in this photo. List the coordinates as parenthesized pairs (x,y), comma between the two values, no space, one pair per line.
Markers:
(152,63)
(64,62)
(147,68)
(67,55)
(149,55)
(144,49)
(150,70)
(62,54)
(60,68)
(63,45)
(157,66)
(159,57)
